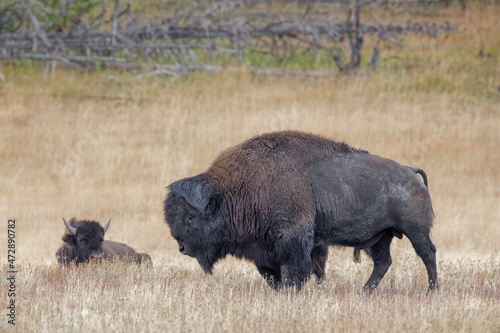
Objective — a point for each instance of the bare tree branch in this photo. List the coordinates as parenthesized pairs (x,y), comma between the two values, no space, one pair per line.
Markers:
(38,29)
(2,77)
(115,17)
(63,58)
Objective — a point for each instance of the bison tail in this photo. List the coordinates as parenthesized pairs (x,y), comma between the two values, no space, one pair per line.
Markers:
(423,174)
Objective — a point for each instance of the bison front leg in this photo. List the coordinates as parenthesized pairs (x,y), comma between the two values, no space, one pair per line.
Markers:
(318,256)
(293,252)
(272,276)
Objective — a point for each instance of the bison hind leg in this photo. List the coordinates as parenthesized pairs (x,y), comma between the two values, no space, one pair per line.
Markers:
(381,256)
(356,256)
(427,252)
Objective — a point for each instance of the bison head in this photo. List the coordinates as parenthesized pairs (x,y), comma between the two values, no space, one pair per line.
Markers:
(85,239)
(191,212)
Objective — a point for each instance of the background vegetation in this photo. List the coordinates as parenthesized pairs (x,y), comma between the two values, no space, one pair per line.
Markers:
(77,144)
(179,37)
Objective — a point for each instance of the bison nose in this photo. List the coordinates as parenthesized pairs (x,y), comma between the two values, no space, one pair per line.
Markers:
(95,256)
(182,249)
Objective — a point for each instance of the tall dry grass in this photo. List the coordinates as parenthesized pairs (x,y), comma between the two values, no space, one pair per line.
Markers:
(175,296)
(75,145)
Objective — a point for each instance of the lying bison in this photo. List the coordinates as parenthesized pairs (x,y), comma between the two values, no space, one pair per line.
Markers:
(85,242)
(280,199)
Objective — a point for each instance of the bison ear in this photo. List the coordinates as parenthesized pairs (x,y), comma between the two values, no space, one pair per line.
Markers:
(196,191)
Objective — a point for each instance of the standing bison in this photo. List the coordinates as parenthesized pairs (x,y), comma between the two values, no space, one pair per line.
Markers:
(280,199)
(84,242)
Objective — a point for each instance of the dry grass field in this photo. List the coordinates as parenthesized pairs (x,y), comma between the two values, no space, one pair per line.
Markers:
(75,145)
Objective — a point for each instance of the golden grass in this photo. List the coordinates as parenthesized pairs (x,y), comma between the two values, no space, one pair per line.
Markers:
(176,296)
(76,146)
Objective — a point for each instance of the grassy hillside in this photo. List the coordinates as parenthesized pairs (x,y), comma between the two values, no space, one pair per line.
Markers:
(75,145)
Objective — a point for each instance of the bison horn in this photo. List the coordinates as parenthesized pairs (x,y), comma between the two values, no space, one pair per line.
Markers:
(71,229)
(106,226)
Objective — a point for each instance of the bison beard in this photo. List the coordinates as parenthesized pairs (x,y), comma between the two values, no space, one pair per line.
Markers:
(280,199)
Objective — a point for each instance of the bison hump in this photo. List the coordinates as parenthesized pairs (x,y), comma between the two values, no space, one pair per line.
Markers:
(272,158)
